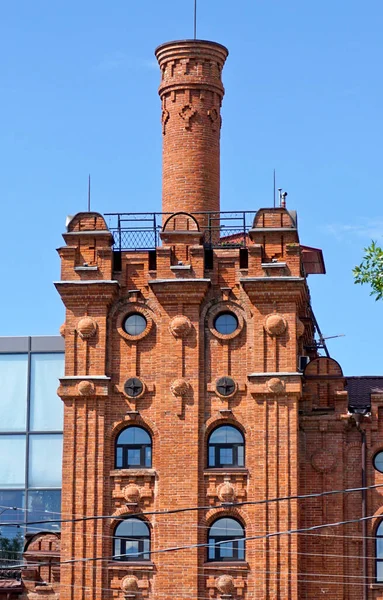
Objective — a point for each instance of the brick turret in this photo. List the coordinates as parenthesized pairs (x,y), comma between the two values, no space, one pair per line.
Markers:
(191,92)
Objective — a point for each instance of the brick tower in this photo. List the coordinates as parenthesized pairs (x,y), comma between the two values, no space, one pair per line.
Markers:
(182,386)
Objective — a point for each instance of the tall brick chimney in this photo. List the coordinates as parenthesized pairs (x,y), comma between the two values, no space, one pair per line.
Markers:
(191,93)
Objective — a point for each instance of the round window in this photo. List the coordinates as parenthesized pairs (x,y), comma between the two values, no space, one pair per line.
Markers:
(225,386)
(226,323)
(135,324)
(133,387)
(378,461)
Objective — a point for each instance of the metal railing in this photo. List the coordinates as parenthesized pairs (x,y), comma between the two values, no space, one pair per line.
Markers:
(141,231)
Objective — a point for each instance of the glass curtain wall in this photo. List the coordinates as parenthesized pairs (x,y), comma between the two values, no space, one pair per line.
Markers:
(31,422)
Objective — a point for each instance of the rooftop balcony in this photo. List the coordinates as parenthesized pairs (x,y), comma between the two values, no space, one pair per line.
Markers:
(141,231)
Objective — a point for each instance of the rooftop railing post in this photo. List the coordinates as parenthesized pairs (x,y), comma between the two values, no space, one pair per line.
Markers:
(244,228)
(119,233)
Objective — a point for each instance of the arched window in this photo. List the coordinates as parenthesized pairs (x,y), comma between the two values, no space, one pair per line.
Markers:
(133,448)
(226,447)
(131,540)
(379,552)
(226,540)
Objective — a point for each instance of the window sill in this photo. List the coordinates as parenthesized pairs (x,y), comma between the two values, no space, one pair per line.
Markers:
(146,565)
(134,472)
(376,586)
(236,565)
(222,470)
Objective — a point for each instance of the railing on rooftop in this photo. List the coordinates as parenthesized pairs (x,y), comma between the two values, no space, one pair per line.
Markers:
(141,231)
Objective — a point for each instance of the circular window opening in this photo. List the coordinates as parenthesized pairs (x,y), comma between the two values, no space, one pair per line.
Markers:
(378,462)
(225,386)
(133,387)
(135,324)
(226,323)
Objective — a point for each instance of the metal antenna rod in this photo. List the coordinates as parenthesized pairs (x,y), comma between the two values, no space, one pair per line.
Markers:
(274,194)
(195,19)
(89,193)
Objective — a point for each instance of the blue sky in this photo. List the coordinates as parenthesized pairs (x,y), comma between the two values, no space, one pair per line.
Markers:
(78,95)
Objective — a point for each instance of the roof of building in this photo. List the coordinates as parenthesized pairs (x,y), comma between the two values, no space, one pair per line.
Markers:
(10,584)
(360,389)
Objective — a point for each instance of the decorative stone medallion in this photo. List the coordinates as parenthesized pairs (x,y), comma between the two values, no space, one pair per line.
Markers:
(226,492)
(129,584)
(132,493)
(86,327)
(225,584)
(275,385)
(85,388)
(179,387)
(323,461)
(300,328)
(180,326)
(62,330)
(275,324)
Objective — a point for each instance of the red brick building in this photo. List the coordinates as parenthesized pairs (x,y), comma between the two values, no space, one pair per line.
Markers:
(185,390)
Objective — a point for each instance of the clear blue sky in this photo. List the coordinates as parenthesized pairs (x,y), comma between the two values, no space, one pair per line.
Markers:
(78,95)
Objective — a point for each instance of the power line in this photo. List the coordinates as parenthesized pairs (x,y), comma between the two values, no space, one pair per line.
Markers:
(197,508)
(205,545)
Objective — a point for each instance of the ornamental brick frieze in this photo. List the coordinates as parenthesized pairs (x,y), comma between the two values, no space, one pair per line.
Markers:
(130,581)
(132,488)
(220,487)
(271,385)
(83,386)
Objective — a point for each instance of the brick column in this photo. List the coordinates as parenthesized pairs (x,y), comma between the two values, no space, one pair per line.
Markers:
(191,93)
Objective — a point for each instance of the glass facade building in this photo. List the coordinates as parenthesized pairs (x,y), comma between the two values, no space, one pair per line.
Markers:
(31,423)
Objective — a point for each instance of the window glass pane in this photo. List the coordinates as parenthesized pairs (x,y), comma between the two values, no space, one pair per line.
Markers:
(240,455)
(135,324)
(45,456)
(226,550)
(134,435)
(379,570)
(42,506)
(146,554)
(46,407)
(226,527)
(379,530)
(117,547)
(379,547)
(241,549)
(148,456)
(14,500)
(11,548)
(131,528)
(211,456)
(211,549)
(134,456)
(131,547)
(378,461)
(13,394)
(226,435)
(12,461)
(226,323)
(119,458)
(226,456)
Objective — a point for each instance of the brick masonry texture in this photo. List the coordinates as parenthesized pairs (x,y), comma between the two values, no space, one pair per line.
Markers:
(299,436)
